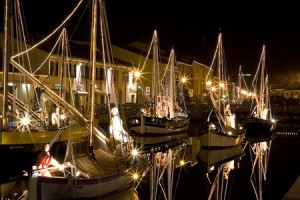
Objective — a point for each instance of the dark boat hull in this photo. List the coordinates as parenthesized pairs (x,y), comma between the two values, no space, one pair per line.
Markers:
(219,156)
(158,134)
(258,130)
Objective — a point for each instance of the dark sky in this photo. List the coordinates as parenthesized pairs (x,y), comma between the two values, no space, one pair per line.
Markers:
(191,27)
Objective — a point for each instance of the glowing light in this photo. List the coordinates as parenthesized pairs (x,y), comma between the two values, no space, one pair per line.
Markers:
(229,133)
(212,126)
(183,79)
(222,85)
(134,152)
(264,146)
(273,120)
(213,89)
(230,165)
(182,163)
(137,74)
(62,116)
(25,121)
(135,176)
(244,92)
(208,83)
(77,173)
(211,168)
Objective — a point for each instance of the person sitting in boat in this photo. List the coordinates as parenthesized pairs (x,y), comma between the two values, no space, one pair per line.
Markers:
(116,127)
(45,160)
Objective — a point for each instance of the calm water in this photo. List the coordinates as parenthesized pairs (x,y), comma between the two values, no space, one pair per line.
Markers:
(191,182)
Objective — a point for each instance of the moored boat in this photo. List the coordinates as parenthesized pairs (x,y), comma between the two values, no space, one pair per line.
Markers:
(222,131)
(260,125)
(161,123)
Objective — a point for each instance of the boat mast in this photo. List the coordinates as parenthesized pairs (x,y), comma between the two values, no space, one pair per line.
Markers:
(93,53)
(219,72)
(155,80)
(172,84)
(5,62)
(262,83)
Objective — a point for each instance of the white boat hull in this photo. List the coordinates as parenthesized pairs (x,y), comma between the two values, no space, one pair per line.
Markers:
(42,188)
(219,156)
(158,134)
(215,139)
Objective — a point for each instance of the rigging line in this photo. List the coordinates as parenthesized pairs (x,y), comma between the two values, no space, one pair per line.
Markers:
(57,135)
(104,60)
(67,51)
(22,30)
(147,57)
(177,182)
(231,185)
(213,60)
(143,175)
(167,67)
(226,188)
(252,176)
(79,20)
(52,33)
(215,183)
(52,50)
(162,173)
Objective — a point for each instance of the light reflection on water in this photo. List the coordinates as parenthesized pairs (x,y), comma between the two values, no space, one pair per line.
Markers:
(283,148)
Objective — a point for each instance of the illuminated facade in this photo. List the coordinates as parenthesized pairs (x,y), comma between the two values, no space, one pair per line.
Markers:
(79,74)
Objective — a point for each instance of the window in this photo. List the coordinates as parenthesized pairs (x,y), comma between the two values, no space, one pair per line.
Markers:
(102,99)
(97,74)
(53,68)
(101,74)
(87,72)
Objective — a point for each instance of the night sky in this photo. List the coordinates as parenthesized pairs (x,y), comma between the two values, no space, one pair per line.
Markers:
(191,27)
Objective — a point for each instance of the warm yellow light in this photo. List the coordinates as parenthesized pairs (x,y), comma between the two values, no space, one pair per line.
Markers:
(230,165)
(25,121)
(182,163)
(134,152)
(62,116)
(264,146)
(213,89)
(244,92)
(208,83)
(183,79)
(137,74)
(213,126)
(135,176)
(229,133)
(222,85)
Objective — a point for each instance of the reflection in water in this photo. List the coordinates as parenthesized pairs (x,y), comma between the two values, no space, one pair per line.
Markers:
(217,157)
(129,194)
(219,163)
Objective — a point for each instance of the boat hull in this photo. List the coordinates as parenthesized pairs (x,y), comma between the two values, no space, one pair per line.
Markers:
(258,130)
(42,188)
(158,134)
(30,141)
(218,139)
(219,156)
